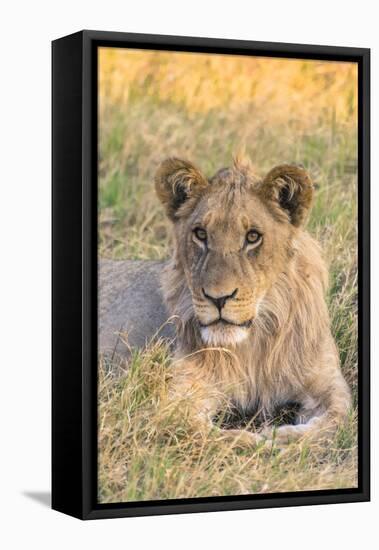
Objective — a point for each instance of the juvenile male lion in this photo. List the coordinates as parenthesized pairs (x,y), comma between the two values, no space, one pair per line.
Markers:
(247,284)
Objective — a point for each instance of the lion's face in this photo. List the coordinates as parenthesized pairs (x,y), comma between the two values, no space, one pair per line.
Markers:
(234,237)
(232,249)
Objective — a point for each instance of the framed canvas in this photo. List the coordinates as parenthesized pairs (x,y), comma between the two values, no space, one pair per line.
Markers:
(210,275)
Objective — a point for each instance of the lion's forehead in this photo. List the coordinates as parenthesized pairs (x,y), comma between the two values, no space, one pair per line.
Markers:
(232,211)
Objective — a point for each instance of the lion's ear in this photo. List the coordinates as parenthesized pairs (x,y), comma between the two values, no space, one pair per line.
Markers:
(291,188)
(177,181)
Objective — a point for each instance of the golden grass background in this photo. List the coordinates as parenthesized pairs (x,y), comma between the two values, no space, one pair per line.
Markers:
(204,107)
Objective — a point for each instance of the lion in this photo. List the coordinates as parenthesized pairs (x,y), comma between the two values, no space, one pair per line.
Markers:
(246,289)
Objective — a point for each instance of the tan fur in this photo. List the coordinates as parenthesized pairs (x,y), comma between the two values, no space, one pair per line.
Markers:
(279,347)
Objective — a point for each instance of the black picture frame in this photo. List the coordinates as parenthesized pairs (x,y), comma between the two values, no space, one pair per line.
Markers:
(74,272)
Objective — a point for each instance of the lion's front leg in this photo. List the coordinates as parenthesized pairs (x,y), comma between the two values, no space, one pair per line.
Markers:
(289,432)
(201,399)
(323,409)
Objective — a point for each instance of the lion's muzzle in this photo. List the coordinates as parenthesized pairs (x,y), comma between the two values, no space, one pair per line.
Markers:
(220,301)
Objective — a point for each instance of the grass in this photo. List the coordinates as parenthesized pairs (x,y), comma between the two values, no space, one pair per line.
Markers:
(149,449)
(153,106)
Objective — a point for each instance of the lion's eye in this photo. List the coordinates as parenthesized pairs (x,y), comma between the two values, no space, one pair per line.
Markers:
(200,234)
(253,237)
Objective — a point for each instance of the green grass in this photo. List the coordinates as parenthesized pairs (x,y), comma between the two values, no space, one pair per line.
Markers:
(148,449)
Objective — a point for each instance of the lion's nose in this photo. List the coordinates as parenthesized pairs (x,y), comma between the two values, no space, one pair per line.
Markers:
(220,301)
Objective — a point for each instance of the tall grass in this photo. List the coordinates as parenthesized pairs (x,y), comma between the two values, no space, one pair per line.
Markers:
(154,105)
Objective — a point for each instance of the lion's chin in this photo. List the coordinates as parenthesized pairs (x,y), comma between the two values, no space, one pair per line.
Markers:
(223,335)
